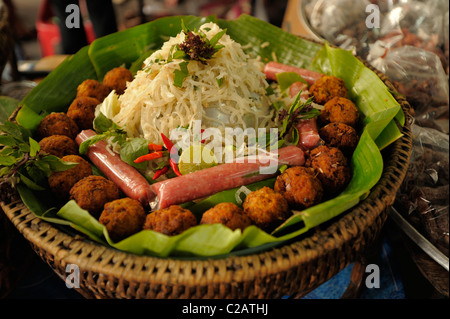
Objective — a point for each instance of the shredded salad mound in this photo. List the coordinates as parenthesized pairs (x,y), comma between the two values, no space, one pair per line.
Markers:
(226,90)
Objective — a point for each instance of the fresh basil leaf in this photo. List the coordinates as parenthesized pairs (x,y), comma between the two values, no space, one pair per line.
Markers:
(132,149)
(12,129)
(7,140)
(56,164)
(102,123)
(7,160)
(34,147)
(181,74)
(217,37)
(84,147)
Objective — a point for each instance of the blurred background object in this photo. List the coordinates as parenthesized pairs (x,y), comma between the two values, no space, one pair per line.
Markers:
(37,24)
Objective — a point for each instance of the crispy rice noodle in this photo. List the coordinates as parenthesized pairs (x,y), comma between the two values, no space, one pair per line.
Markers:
(152,104)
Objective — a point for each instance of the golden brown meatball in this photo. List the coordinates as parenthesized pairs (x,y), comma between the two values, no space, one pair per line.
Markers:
(331,167)
(58,145)
(266,208)
(61,182)
(57,124)
(326,88)
(300,186)
(228,214)
(122,218)
(117,78)
(82,111)
(172,220)
(93,88)
(340,110)
(93,192)
(340,135)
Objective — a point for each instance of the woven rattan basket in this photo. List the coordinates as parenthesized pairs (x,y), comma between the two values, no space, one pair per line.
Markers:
(293,269)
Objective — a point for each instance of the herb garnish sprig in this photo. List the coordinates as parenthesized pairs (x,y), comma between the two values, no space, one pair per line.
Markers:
(289,118)
(22,161)
(195,47)
(130,147)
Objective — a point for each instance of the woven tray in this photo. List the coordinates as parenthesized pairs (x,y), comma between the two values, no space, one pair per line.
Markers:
(293,269)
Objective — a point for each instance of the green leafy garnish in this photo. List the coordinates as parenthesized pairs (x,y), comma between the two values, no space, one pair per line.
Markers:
(298,111)
(130,148)
(181,74)
(21,161)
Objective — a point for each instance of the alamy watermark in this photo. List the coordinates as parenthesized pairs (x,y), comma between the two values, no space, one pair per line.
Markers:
(373,19)
(230,145)
(73,276)
(373,276)
(73,19)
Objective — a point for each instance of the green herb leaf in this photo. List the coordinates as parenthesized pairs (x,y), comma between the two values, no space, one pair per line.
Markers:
(217,37)
(132,149)
(34,147)
(84,147)
(181,74)
(102,123)
(30,184)
(7,140)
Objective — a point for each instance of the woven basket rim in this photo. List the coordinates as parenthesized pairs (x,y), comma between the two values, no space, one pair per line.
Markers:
(343,239)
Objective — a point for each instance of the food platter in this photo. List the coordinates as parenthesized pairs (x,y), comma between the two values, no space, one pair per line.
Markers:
(291,267)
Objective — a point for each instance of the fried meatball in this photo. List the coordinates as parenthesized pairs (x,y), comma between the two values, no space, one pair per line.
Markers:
(57,124)
(93,192)
(340,135)
(326,88)
(58,145)
(266,208)
(93,88)
(122,218)
(82,111)
(300,186)
(172,220)
(340,110)
(331,167)
(228,214)
(60,183)
(117,78)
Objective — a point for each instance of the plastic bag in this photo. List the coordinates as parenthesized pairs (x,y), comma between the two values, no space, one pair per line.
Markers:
(417,73)
(421,24)
(423,196)
(342,23)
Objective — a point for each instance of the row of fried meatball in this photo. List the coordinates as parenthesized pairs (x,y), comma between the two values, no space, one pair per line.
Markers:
(57,131)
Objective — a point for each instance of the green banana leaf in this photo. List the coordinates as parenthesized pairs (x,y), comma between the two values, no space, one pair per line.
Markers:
(380,110)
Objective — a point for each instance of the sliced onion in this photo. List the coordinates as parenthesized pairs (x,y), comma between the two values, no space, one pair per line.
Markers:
(241,190)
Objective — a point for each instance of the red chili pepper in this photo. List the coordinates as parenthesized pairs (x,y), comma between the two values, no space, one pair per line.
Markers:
(202,141)
(154,147)
(160,172)
(148,157)
(174,167)
(173,151)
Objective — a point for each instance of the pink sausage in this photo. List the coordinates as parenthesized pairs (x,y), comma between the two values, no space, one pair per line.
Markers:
(271,69)
(309,136)
(297,87)
(307,129)
(221,177)
(125,176)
